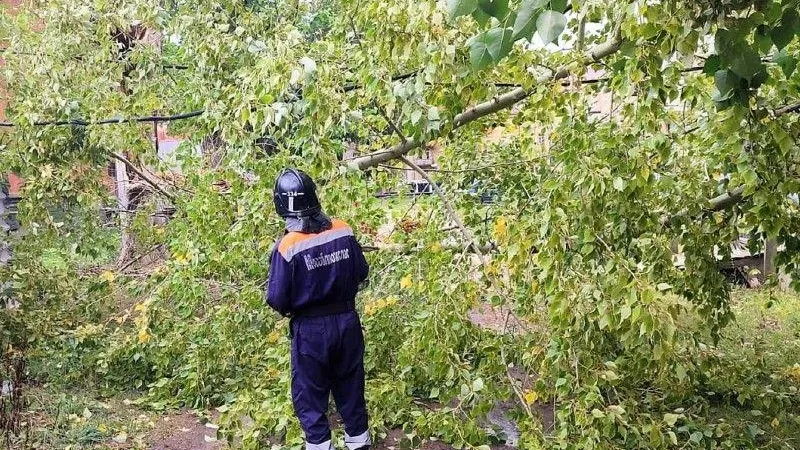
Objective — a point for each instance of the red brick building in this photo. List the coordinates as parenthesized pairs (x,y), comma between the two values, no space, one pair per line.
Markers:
(15,183)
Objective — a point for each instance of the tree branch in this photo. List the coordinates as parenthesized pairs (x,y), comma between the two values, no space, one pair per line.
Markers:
(486,108)
(730,198)
(140,257)
(787,109)
(718,203)
(449,206)
(142,175)
(726,200)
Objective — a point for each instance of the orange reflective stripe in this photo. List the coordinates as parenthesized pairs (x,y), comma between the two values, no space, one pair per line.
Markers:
(294,237)
(291,239)
(339,224)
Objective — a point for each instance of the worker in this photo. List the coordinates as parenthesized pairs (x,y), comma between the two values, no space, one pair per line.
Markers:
(315,273)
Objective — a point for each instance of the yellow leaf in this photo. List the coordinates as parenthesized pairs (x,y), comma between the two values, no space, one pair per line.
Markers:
(500,227)
(47,171)
(406,282)
(144,336)
(108,275)
(794,372)
(273,337)
(530,397)
(775,422)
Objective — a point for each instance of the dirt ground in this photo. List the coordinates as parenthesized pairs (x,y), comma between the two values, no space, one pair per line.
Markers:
(394,441)
(183,431)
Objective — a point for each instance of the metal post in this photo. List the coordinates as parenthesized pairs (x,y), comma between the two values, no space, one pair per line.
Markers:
(5,226)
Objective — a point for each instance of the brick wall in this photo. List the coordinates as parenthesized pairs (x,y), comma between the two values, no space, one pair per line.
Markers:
(15,183)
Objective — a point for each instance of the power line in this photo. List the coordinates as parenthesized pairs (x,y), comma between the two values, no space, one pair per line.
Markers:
(80,58)
(77,122)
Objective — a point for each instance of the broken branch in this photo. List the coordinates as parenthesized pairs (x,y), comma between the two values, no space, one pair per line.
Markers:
(142,175)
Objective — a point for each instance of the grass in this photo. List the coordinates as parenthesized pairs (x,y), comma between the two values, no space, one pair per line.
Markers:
(81,420)
(757,383)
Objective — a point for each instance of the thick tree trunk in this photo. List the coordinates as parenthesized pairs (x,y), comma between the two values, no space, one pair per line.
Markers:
(123,204)
(770,251)
(127,40)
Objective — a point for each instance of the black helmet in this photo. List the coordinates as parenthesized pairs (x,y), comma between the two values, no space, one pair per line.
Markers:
(295,194)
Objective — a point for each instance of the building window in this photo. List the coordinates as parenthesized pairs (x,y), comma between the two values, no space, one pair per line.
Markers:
(419,187)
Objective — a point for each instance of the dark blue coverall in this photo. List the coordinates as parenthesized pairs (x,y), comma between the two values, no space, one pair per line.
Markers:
(314,279)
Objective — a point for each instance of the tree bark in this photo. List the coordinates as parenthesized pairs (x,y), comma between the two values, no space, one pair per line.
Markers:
(123,203)
(770,251)
(486,108)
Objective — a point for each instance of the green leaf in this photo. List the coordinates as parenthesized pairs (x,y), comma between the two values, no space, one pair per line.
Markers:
(759,78)
(663,286)
(619,184)
(762,39)
(433,114)
(256,46)
(786,62)
(680,372)
(726,43)
(558,5)
(746,63)
(791,18)
(481,17)
(726,83)
(489,46)
(673,437)
(617,409)
(509,21)
(495,8)
(711,65)
(525,25)
(782,35)
(671,419)
(477,384)
(456,8)
(696,437)
(625,312)
(783,139)
(550,25)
